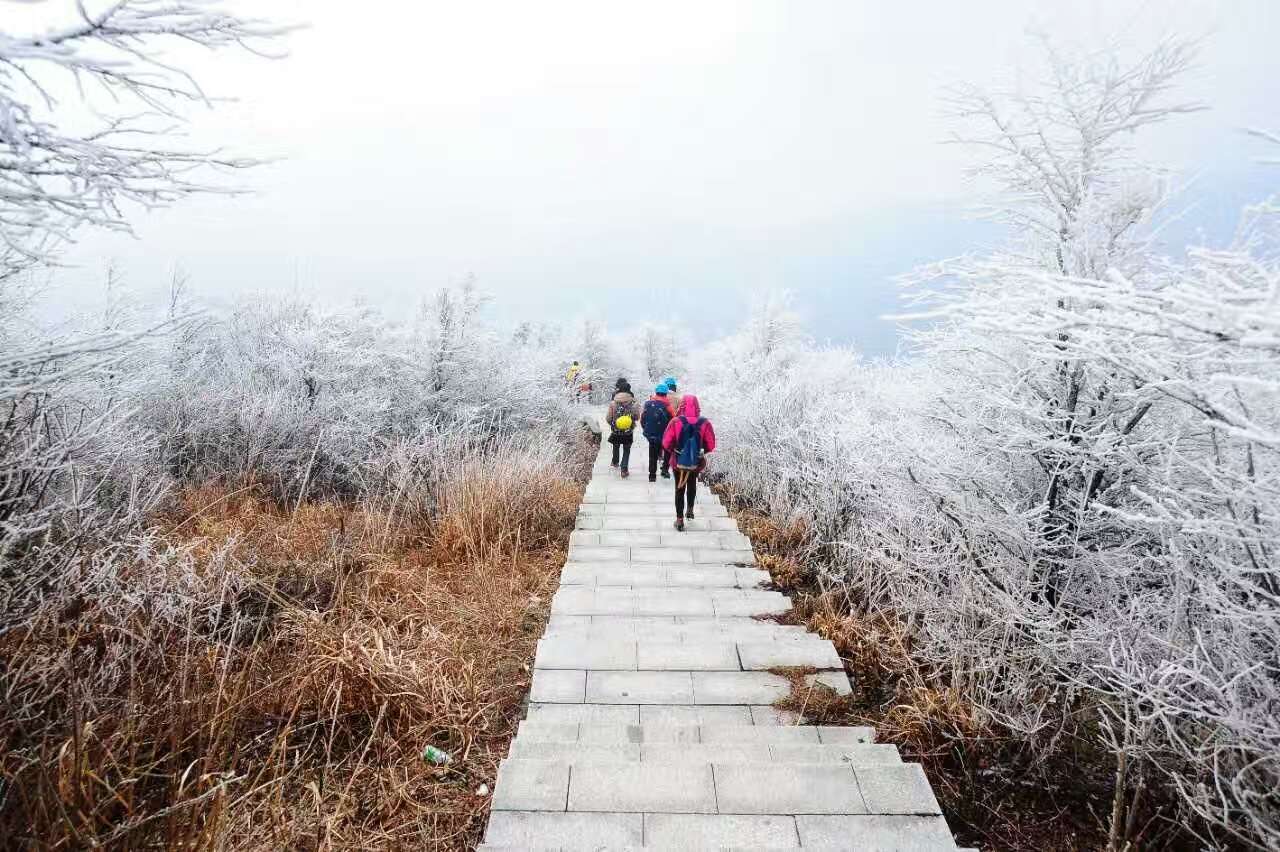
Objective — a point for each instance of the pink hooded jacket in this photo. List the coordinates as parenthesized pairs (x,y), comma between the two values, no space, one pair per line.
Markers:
(690,412)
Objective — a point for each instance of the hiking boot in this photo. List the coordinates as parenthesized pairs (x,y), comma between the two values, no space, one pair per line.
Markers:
(666,474)
(689,515)
(613,464)
(679,524)
(624,473)
(653,479)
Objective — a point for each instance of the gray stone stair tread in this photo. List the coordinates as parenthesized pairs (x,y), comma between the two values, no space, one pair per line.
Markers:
(587,600)
(730,788)
(694,714)
(526,830)
(711,733)
(604,654)
(876,831)
(609,847)
(720,831)
(674,788)
(568,686)
(755,632)
(647,625)
(693,752)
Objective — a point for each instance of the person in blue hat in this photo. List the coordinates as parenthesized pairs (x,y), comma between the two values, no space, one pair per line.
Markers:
(654,418)
(673,394)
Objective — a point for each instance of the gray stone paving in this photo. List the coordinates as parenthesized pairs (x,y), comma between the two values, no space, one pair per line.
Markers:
(650,722)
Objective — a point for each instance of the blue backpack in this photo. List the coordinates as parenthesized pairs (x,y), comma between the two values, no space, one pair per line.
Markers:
(654,420)
(689,447)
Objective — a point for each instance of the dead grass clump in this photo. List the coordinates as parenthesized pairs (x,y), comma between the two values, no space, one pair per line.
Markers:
(787,574)
(771,536)
(266,678)
(812,701)
(487,514)
(874,647)
(936,720)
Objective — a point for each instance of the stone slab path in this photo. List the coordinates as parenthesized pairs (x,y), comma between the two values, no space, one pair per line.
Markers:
(650,723)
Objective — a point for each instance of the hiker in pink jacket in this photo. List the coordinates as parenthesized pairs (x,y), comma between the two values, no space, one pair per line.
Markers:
(688,439)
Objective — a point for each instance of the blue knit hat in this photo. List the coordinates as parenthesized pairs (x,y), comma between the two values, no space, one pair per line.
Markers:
(661,389)
(670,382)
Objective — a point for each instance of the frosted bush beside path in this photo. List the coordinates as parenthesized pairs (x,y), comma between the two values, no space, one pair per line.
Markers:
(1069,493)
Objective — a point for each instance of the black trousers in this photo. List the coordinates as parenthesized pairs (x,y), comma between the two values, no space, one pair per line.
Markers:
(655,451)
(625,452)
(686,490)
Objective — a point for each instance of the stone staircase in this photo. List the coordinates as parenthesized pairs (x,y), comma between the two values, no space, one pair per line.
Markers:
(650,723)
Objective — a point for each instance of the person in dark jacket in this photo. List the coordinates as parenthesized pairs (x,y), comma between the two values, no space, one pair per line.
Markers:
(623,405)
(653,422)
(681,432)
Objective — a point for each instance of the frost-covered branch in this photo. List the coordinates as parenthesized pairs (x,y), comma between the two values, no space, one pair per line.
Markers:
(62,165)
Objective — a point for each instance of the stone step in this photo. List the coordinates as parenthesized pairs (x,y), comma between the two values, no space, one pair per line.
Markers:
(642,655)
(660,714)
(663,509)
(672,555)
(726,788)
(569,686)
(749,630)
(584,686)
(656,522)
(655,538)
(659,576)
(577,752)
(618,499)
(583,600)
(512,830)
(647,622)
(717,733)
(675,636)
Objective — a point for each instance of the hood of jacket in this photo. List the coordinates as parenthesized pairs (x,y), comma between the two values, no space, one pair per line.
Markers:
(689,407)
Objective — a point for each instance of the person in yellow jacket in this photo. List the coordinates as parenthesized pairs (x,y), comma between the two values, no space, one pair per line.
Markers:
(571,380)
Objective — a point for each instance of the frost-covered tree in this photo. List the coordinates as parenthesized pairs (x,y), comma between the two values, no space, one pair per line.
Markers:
(1076,198)
(1113,386)
(87,108)
(602,357)
(772,336)
(662,350)
(1067,495)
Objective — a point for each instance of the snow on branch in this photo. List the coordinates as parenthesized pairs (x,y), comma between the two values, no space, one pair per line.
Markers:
(63,167)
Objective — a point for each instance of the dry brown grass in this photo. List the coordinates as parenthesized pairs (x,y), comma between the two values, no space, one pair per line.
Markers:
(292,710)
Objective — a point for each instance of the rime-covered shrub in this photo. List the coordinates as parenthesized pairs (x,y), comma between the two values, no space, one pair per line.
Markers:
(1069,493)
(275,394)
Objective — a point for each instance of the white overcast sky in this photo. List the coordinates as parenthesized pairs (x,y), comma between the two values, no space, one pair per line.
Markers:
(645,158)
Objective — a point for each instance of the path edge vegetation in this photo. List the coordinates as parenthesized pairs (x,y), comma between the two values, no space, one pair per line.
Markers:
(995,791)
(325,643)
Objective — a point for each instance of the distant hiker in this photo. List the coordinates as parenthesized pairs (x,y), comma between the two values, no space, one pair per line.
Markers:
(571,380)
(673,394)
(653,422)
(622,416)
(688,439)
